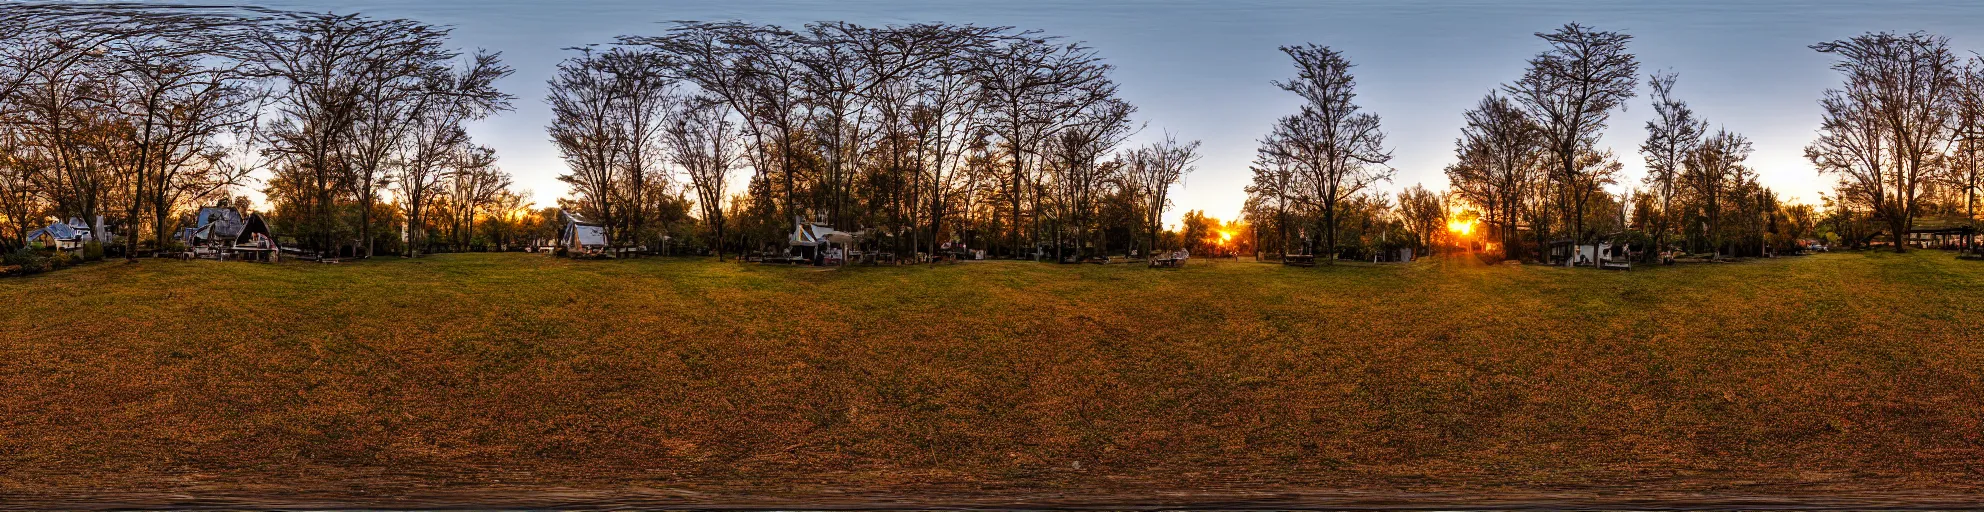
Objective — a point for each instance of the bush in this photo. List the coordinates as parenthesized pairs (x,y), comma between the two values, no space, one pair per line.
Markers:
(60,259)
(19,256)
(25,261)
(92,251)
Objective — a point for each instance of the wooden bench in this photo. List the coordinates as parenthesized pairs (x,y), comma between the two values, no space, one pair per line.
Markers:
(1298,260)
(1167,262)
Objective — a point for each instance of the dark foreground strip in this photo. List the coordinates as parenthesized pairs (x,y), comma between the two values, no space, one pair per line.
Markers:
(685,500)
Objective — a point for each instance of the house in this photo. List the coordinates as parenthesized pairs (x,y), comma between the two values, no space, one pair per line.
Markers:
(1600,253)
(220,231)
(819,242)
(59,235)
(1562,251)
(1605,253)
(70,235)
(214,227)
(577,236)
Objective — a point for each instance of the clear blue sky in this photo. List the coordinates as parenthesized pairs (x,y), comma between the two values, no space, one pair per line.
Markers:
(1202,69)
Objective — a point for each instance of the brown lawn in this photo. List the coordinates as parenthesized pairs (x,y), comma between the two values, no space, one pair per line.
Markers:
(666,381)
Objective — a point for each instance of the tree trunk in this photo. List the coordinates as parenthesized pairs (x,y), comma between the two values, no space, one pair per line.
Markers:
(1329,232)
(1898,225)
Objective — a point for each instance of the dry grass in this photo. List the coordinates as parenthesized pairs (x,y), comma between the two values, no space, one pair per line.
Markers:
(1843,372)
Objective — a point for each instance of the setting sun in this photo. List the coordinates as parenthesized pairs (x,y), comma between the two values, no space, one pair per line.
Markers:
(1461,227)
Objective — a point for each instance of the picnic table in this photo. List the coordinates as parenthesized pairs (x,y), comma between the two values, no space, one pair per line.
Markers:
(1299,260)
(1167,262)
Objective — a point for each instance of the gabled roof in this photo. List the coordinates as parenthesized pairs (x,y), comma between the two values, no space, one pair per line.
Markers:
(572,218)
(254,225)
(808,233)
(57,230)
(577,231)
(211,214)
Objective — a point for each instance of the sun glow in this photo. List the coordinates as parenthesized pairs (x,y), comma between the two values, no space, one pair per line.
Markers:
(1461,227)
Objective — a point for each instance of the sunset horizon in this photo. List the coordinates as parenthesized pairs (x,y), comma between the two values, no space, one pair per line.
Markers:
(765,255)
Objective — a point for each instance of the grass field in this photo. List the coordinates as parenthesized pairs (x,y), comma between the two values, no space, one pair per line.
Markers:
(1853,372)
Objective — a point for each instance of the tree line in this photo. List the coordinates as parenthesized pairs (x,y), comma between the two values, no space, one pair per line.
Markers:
(143,113)
(917,135)
(1900,137)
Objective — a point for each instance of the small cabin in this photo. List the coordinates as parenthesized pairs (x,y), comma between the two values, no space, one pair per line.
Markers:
(819,242)
(1602,253)
(214,227)
(578,236)
(60,235)
(70,235)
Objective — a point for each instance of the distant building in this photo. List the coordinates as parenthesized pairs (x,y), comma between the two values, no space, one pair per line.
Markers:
(71,235)
(214,227)
(578,236)
(220,231)
(819,242)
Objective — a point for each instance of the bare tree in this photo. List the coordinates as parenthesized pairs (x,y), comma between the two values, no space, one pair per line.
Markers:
(337,76)
(945,121)
(438,137)
(704,144)
(391,85)
(1424,214)
(1152,171)
(1338,151)
(65,114)
(1671,136)
(1080,174)
(111,83)
(640,101)
(1571,91)
(1273,184)
(1712,173)
(183,110)
(1032,87)
(753,70)
(1885,131)
(586,134)
(1500,155)
(473,187)
(1967,172)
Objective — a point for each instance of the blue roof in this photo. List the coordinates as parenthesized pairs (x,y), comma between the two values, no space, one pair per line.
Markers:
(58,230)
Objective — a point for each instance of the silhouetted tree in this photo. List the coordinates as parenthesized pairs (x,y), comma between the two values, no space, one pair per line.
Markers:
(703,143)
(1885,130)
(1571,90)
(1714,172)
(1337,150)
(1500,157)
(1671,136)
(1151,171)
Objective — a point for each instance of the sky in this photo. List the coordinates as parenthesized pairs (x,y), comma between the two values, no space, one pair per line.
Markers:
(1203,70)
